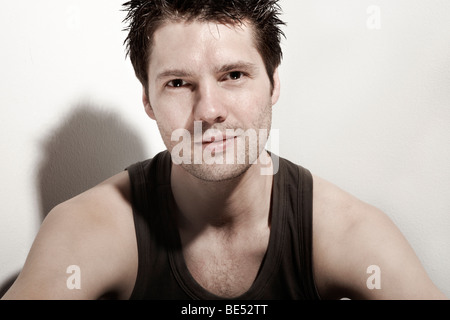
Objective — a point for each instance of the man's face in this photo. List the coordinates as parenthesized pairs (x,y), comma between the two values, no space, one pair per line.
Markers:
(210,76)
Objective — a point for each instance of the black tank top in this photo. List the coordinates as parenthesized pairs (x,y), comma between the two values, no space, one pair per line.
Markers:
(286,271)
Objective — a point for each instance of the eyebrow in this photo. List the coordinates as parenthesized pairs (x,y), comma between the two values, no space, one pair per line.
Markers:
(238,66)
(184,73)
(173,73)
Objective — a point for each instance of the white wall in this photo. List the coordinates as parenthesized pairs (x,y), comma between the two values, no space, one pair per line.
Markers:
(368,109)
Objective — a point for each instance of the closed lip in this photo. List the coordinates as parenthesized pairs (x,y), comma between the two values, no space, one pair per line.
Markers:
(217,139)
(219,145)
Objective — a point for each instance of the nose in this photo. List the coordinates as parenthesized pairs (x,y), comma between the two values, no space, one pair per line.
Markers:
(209,105)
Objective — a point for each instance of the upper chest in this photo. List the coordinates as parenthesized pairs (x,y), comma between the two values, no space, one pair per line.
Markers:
(226,267)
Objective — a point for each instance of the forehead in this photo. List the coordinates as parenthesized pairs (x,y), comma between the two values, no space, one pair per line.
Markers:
(198,45)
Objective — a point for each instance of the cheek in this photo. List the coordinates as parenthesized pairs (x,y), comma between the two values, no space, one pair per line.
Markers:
(249,108)
(172,112)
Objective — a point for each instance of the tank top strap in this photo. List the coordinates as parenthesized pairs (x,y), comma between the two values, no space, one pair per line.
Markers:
(296,190)
(150,184)
(305,228)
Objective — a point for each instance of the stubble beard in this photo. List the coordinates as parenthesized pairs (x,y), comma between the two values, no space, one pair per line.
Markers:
(228,170)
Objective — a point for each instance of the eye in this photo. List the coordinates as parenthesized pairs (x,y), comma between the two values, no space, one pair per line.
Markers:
(177,83)
(235,75)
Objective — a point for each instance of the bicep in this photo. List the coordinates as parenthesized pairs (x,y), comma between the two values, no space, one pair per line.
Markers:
(373,260)
(359,253)
(384,264)
(66,261)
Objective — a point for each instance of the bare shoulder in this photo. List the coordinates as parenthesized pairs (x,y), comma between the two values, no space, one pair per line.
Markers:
(94,232)
(359,253)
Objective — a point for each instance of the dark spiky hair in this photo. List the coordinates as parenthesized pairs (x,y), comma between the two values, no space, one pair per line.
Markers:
(145,16)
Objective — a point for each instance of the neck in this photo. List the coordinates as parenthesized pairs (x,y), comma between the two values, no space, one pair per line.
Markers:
(225,204)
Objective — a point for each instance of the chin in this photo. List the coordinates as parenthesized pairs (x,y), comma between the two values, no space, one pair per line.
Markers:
(216,172)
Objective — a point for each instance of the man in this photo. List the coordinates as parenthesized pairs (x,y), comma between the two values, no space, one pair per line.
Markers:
(204,220)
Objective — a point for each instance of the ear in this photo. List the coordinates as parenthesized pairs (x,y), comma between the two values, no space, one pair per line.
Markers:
(276,87)
(146,101)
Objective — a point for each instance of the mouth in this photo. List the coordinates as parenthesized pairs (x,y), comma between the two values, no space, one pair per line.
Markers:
(218,144)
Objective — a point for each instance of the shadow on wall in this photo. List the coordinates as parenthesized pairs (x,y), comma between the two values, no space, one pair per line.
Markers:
(88,147)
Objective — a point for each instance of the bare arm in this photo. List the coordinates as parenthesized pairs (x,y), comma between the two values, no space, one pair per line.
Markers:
(87,241)
(360,254)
